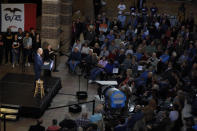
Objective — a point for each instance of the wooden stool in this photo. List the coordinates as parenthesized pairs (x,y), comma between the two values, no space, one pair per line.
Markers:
(39,88)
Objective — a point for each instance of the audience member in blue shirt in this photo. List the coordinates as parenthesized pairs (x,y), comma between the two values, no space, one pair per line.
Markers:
(165,57)
(143,78)
(109,67)
(138,56)
(74,59)
(96,117)
(111,36)
(122,19)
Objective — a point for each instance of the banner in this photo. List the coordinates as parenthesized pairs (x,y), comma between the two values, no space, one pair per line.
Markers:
(16,16)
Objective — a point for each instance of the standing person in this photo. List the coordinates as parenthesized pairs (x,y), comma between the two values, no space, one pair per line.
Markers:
(38,63)
(27,45)
(144,11)
(37,43)
(32,34)
(48,56)
(20,35)
(79,27)
(15,50)
(181,13)
(154,9)
(122,19)
(140,4)
(1,48)
(8,46)
(74,33)
(97,7)
(121,7)
(47,52)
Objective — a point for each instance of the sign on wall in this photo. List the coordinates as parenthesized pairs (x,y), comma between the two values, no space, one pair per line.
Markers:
(16,16)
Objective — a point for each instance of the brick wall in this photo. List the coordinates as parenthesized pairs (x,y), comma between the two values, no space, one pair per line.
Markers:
(85,6)
(56,23)
(56,20)
(50,30)
(66,22)
(51,21)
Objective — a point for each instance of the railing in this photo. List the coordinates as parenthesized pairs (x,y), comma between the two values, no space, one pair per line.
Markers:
(79,103)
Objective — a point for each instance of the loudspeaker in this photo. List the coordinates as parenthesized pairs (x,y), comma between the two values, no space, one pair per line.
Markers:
(75,108)
(82,95)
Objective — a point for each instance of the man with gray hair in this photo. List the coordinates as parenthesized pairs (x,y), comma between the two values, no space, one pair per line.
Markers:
(74,59)
(38,63)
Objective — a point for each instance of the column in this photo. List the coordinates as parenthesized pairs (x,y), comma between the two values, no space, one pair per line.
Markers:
(66,25)
(50,30)
(85,6)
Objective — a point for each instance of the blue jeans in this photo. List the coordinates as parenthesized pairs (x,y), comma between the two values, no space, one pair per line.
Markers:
(73,65)
(26,55)
(144,18)
(95,72)
(15,55)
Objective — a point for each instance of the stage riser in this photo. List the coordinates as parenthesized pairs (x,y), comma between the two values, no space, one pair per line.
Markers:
(38,112)
(18,89)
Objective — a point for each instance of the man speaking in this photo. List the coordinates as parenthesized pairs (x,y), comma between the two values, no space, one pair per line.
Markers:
(38,63)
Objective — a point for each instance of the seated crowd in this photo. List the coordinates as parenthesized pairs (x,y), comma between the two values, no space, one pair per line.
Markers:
(155,57)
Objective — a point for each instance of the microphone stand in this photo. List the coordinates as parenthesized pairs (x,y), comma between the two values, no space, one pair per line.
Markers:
(55,66)
(79,75)
(81,94)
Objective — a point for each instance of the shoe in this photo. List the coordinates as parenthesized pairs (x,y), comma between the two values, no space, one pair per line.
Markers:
(90,81)
(13,65)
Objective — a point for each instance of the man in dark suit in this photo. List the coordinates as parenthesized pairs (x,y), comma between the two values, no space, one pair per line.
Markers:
(37,127)
(38,63)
